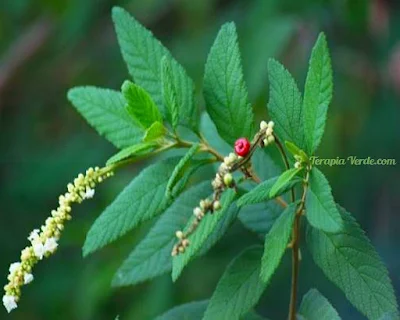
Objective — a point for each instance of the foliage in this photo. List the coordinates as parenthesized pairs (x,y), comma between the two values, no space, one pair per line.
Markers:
(333,237)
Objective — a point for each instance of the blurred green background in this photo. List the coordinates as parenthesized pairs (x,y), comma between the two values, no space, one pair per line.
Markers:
(48,46)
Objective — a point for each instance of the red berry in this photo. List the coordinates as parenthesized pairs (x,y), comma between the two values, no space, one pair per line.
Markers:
(242,147)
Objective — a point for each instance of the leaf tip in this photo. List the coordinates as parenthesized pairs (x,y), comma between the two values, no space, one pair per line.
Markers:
(273,63)
(85,251)
(126,85)
(174,274)
(116,11)
(73,93)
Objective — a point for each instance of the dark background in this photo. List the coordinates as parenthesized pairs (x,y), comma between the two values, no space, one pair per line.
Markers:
(49,46)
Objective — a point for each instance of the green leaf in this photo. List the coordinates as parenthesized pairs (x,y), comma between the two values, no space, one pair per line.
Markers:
(135,151)
(155,132)
(267,163)
(140,105)
(239,288)
(180,168)
(194,311)
(285,105)
(208,224)
(262,191)
(296,151)
(152,257)
(141,200)
(390,316)
(284,179)
(225,91)
(169,92)
(104,109)
(315,306)
(260,217)
(317,94)
(276,242)
(350,261)
(187,311)
(321,211)
(181,110)
(208,129)
(143,54)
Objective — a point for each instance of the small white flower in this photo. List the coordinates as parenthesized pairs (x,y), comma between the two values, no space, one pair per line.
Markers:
(297,165)
(14,267)
(50,245)
(265,141)
(269,131)
(38,249)
(9,303)
(263,125)
(271,124)
(89,193)
(28,278)
(34,235)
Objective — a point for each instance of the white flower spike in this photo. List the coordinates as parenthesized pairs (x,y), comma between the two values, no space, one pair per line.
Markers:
(44,240)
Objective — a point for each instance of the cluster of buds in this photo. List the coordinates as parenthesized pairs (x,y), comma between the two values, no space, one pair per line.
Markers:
(206,206)
(268,130)
(223,180)
(44,242)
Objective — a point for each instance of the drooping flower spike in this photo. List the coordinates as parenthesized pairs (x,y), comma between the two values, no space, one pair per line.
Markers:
(224,179)
(44,241)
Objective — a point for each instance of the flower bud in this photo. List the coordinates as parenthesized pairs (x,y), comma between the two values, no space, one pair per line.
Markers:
(185,243)
(179,234)
(228,179)
(197,212)
(263,125)
(216,205)
(232,157)
(223,167)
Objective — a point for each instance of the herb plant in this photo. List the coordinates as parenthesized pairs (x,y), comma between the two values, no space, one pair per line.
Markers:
(160,111)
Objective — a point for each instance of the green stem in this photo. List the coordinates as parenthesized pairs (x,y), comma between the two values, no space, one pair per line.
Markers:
(286,162)
(295,244)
